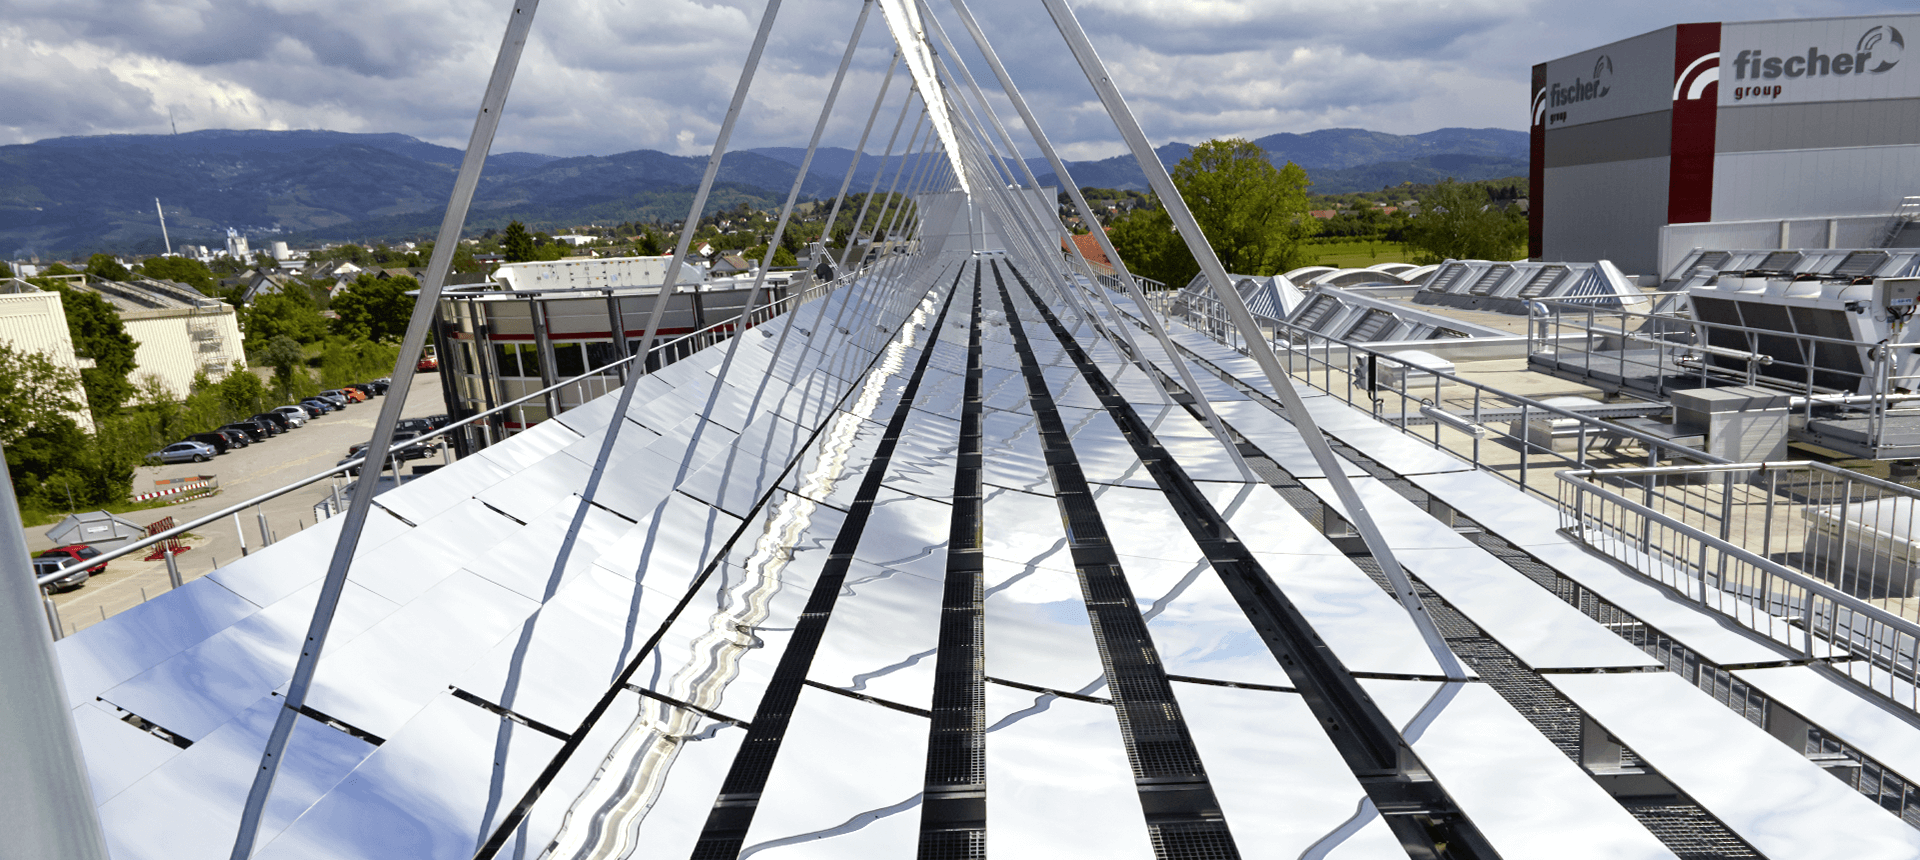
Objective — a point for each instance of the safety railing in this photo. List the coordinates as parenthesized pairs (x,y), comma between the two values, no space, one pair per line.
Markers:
(1809,555)
(1518,438)
(1656,354)
(661,355)
(607,377)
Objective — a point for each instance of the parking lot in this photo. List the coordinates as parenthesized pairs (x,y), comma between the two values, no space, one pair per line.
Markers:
(243,474)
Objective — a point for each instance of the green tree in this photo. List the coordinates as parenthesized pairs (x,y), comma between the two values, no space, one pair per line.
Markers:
(1252,213)
(781,256)
(516,244)
(99,335)
(1458,221)
(184,270)
(647,244)
(34,391)
(291,313)
(106,267)
(242,393)
(6,271)
(344,362)
(374,308)
(286,357)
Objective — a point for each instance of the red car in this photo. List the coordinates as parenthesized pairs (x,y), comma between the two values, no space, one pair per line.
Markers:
(427,364)
(78,551)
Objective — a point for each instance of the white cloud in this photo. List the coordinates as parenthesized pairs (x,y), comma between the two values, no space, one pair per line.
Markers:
(604,76)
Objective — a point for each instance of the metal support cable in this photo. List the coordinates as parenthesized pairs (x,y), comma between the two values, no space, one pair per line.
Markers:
(877,173)
(779,232)
(692,224)
(50,803)
(426,306)
(1256,342)
(859,149)
(1154,325)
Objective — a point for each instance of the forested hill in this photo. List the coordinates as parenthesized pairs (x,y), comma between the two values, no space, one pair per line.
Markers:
(1345,160)
(80,194)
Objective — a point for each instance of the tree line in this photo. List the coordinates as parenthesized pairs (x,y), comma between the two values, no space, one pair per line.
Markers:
(1256,216)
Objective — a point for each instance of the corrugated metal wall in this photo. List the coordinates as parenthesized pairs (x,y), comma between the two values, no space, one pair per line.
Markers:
(37,322)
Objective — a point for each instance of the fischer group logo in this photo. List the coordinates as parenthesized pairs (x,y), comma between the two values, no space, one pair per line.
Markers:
(1878,50)
(1579,90)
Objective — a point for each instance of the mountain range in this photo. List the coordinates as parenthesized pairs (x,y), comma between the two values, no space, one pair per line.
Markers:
(81,194)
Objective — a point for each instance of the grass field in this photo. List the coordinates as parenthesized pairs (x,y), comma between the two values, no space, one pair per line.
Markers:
(1356,255)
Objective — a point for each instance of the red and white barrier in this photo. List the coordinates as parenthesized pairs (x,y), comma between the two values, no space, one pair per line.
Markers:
(198,484)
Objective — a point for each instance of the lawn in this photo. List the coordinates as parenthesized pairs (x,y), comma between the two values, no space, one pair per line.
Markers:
(1357,254)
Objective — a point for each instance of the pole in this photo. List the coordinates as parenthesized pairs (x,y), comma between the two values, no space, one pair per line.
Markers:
(173,568)
(242,533)
(465,181)
(1257,346)
(49,806)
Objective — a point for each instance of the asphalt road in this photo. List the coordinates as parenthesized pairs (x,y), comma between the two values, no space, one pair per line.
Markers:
(244,473)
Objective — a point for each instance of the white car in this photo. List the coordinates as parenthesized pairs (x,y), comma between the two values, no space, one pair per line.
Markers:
(296,416)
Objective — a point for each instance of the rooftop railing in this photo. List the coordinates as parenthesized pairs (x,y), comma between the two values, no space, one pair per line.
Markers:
(1656,354)
(1519,438)
(1809,555)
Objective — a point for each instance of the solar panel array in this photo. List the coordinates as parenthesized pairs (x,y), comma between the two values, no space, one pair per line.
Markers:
(1704,266)
(744,644)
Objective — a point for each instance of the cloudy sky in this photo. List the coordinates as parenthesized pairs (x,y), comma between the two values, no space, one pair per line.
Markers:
(605,76)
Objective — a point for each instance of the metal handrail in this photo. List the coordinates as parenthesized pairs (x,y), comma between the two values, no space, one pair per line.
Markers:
(1579,479)
(1556,412)
(1885,644)
(341,468)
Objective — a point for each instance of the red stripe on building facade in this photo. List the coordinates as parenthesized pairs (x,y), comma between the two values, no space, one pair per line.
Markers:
(1696,108)
(1536,162)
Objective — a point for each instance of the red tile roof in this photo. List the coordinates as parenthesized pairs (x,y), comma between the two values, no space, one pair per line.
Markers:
(1090,248)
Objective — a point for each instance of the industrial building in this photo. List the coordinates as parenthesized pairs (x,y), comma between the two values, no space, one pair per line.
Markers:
(539,323)
(1766,134)
(33,320)
(181,332)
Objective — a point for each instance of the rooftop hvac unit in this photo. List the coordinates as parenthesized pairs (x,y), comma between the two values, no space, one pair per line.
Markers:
(1715,260)
(1444,278)
(1546,279)
(1316,312)
(1779,261)
(1860,263)
(1489,279)
(1370,326)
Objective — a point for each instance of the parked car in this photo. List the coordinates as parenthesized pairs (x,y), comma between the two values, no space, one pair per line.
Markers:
(74,578)
(379,386)
(417,425)
(221,442)
(296,415)
(184,452)
(256,432)
(275,421)
(76,552)
(336,397)
(418,452)
(320,407)
(352,395)
(439,421)
(427,364)
(367,389)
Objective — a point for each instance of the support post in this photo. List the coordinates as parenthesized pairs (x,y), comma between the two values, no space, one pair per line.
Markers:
(519,22)
(50,809)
